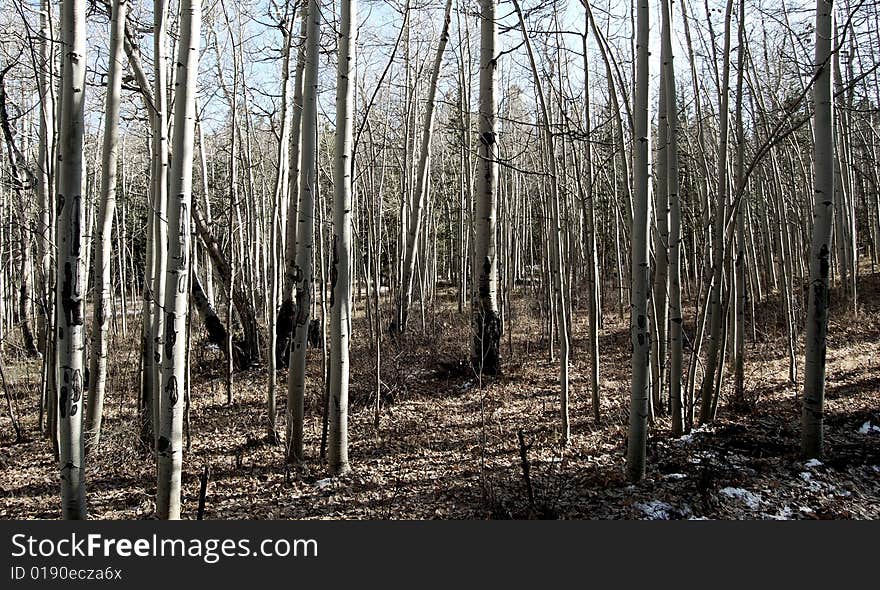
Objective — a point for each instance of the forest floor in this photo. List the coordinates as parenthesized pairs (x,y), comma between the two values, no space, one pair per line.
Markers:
(447,445)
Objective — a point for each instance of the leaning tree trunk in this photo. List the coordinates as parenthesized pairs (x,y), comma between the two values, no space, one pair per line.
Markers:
(71,272)
(823,209)
(170,440)
(340,260)
(248,354)
(641,334)
(305,236)
(485,352)
(104,239)
(420,194)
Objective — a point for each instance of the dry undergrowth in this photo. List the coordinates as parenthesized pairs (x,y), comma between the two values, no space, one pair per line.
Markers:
(447,445)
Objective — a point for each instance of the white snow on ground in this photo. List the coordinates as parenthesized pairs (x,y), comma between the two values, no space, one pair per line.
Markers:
(687,439)
(656,510)
(750,499)
(675,476)
(868,428)
(323,483)
(813,463)
(784,514)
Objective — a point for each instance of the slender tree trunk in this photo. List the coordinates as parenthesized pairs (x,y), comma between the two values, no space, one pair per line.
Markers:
(340,261)
(592,253)
(281,191)
(716,292)
(823,209)
(741,300)
(420,193)
(176,306)
(305,240)
(555,247)
(485,352)
(71,277)
(640,331)
(675,239)
(104,239)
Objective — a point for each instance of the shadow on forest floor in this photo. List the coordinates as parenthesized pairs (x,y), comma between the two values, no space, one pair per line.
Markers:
(447,444)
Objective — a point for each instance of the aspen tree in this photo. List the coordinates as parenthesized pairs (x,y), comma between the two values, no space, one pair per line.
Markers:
(708,391)
(820,262)
(485,350)
(284,324)
(154,287)
(175,301)
(640,331)
(674,202)
(340,259)
(555,261)
(104,238)
(304,239)
(742,298)
(70,280)
(592,254)
(420,194)
(281,189)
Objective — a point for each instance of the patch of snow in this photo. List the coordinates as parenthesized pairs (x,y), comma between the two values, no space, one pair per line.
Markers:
(675,476)
(656,510)
(323,483)
(686,439)
(806,476)
(750,499)
(868,428)
(813,463)
(785,514)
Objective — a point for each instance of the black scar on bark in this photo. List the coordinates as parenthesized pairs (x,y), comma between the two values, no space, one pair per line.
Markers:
(170,335)
(76,386)
(171,390)
(334,272)
(62,405)
(163,444)
(75,228)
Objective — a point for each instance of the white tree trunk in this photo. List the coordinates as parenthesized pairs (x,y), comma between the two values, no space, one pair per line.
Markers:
(281,188)
(104,238)
(304,240)
(820,250)
(71,272)
(640,331)
(485,350)
(420,194)
(340,261)
(176,304)
(674,201)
